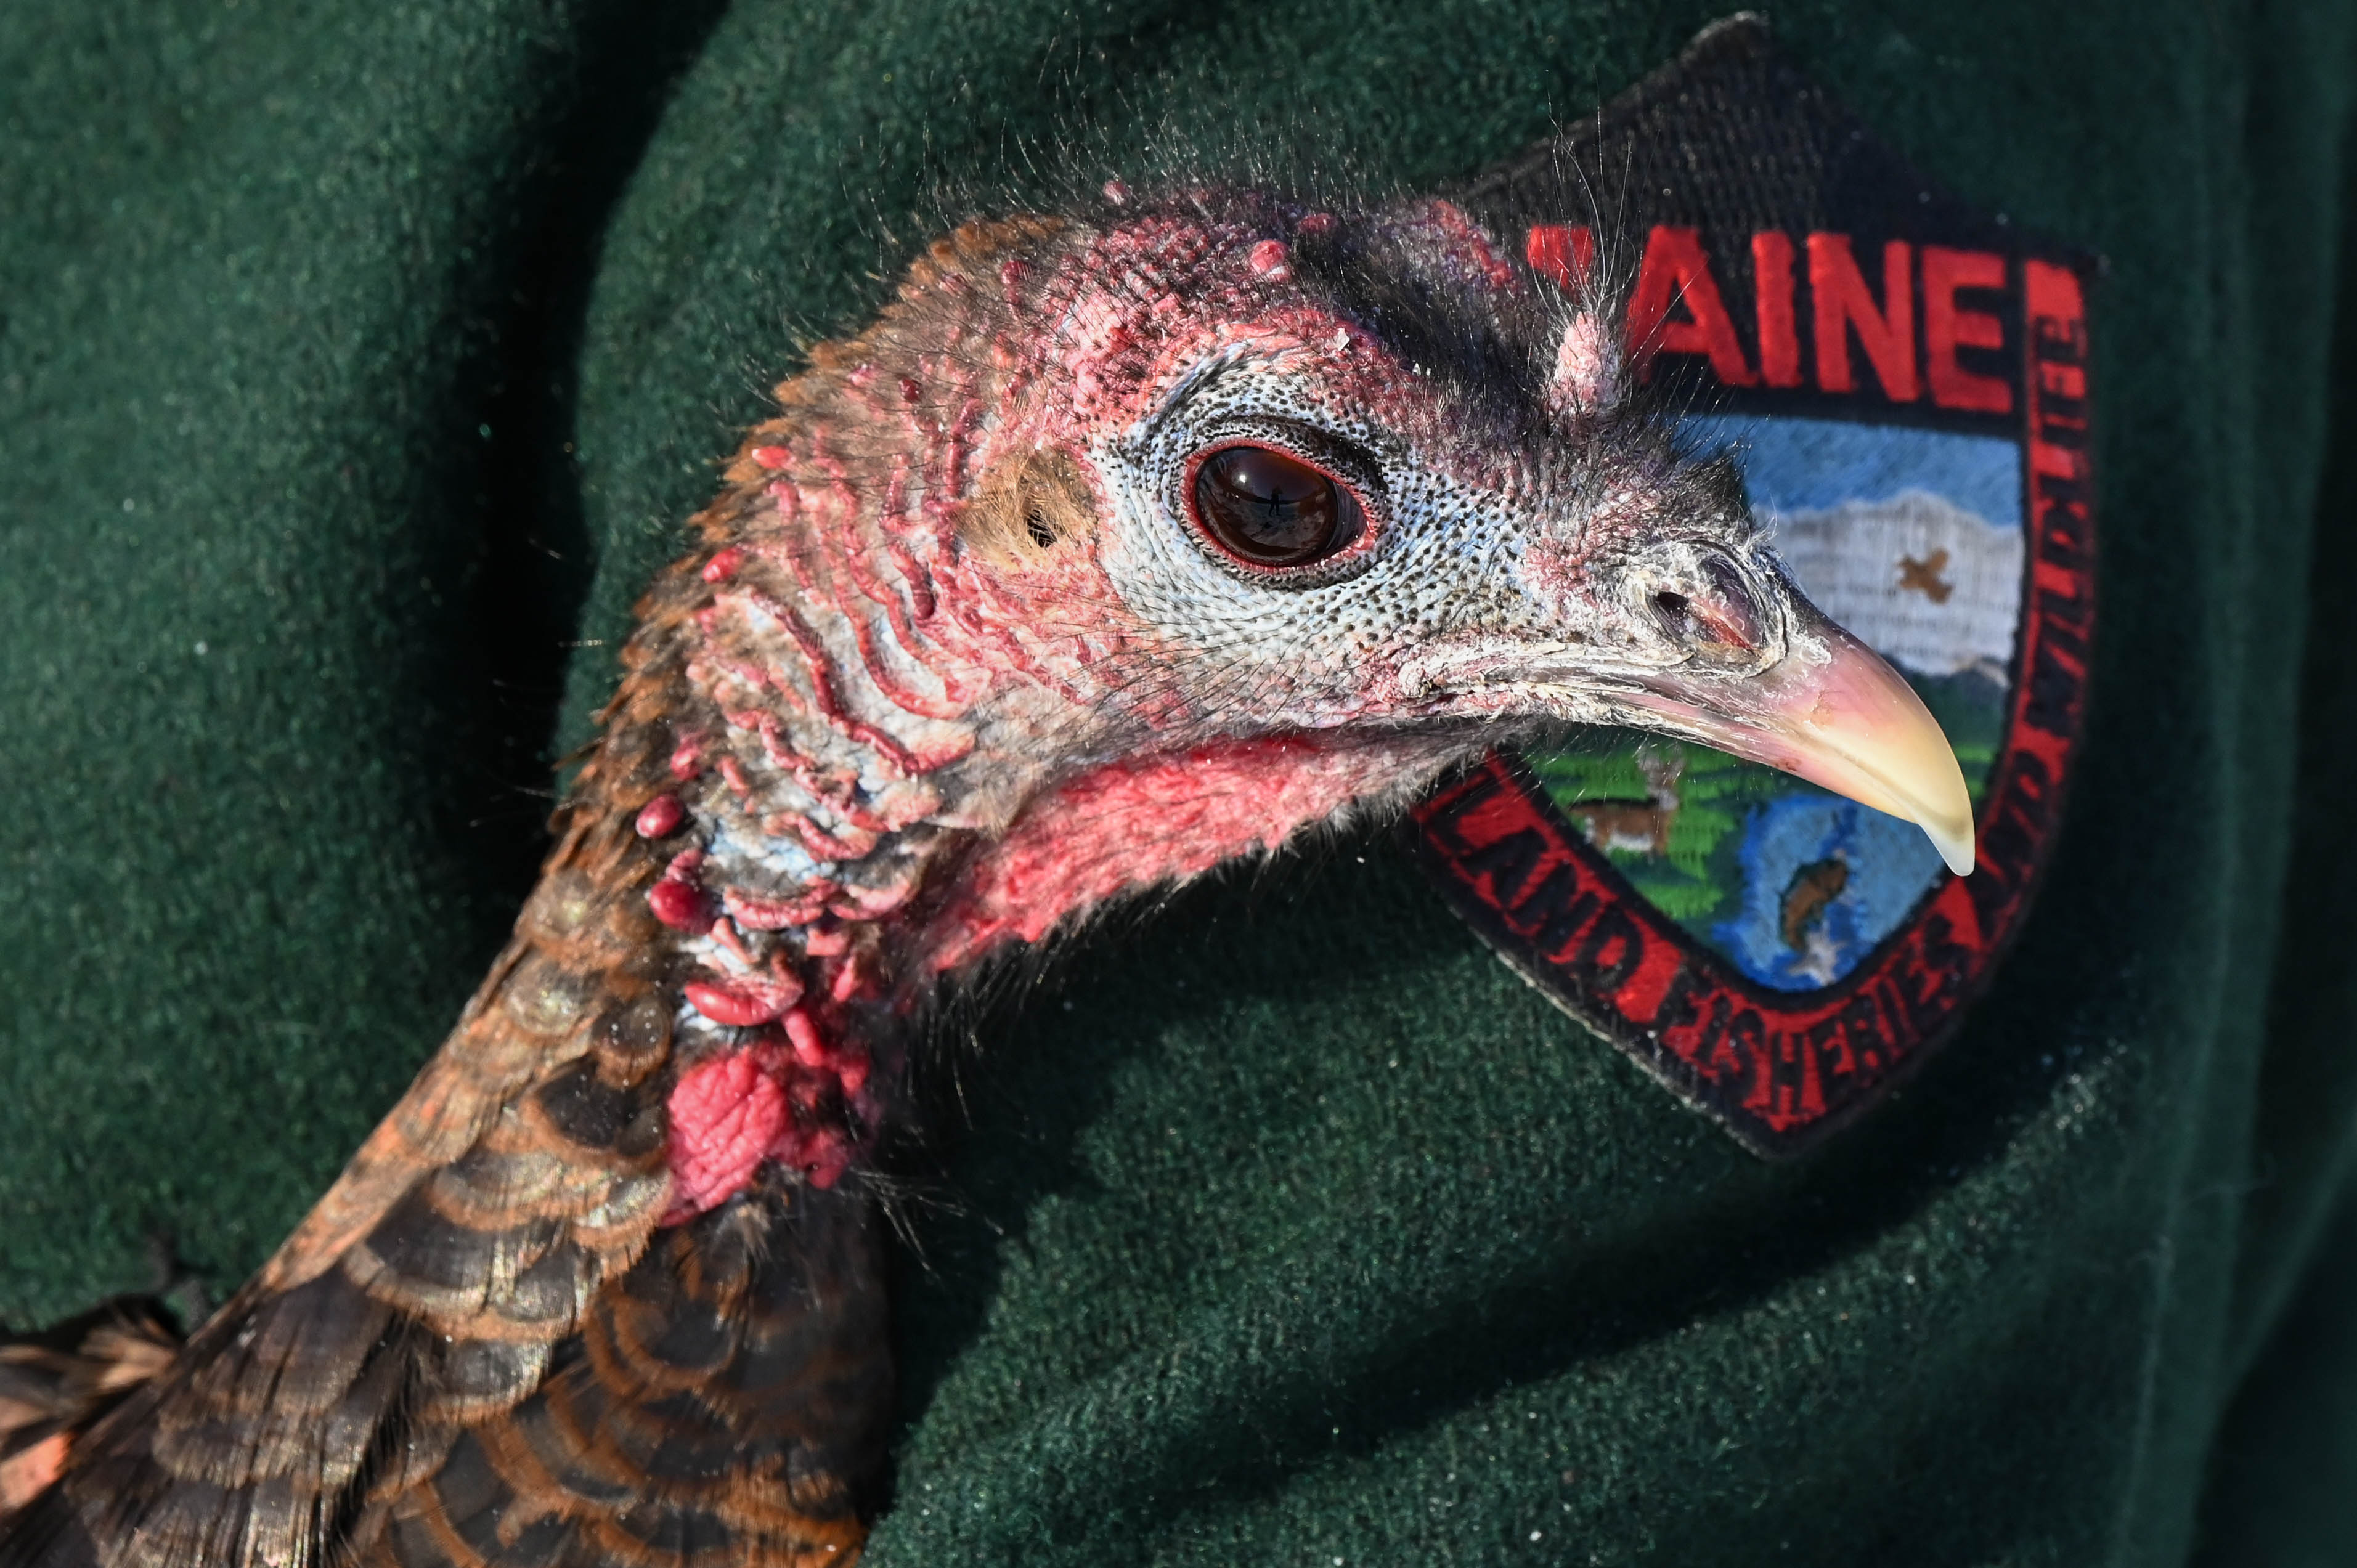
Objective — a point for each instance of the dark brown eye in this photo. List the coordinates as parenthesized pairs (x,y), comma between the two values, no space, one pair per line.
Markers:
(1271,508)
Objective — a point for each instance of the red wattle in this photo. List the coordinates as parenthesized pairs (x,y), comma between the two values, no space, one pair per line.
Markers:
(725,1005)
(809,1047)
(661,817)
(682,906)
(724,1116)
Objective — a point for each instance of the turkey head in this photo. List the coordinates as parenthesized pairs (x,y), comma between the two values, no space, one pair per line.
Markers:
(1119,547)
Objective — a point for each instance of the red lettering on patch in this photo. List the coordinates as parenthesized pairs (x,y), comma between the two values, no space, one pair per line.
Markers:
(1772,290)
(1676,271)
(1843,303)
(1561,253)
(1948,327)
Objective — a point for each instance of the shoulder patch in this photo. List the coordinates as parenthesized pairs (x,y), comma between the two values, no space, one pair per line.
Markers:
(1903,381)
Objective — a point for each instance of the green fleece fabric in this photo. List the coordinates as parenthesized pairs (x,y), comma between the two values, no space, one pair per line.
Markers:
(359,359)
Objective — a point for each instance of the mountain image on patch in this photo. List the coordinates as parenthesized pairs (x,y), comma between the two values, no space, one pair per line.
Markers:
(1902,382)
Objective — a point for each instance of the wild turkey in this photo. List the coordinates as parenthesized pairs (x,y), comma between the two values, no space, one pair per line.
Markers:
(1120,546)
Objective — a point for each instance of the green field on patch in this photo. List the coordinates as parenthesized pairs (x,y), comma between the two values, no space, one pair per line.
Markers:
(1617,783)
(1697,873)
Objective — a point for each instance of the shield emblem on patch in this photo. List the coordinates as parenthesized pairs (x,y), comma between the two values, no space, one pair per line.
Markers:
(1903,381)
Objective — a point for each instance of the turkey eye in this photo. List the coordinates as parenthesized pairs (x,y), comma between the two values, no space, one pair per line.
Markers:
(1272,509)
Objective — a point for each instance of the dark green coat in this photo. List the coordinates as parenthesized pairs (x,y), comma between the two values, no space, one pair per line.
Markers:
(356,363)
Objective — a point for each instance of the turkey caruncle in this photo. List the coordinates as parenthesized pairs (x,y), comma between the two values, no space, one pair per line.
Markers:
(1120,546)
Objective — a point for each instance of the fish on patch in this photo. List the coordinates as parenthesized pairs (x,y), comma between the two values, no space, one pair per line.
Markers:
(1127,542)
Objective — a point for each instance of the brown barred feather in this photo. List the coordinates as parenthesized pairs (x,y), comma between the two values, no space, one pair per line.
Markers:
(55,1384)
(432,1286)
(707,1412)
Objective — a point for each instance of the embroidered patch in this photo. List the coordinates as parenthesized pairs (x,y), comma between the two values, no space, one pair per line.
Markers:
(1904,383)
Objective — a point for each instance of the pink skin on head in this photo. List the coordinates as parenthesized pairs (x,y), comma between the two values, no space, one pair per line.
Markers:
(852,638)
(1468,244)
(1586,364)
(1270,260)
(755,913)
(1151,820)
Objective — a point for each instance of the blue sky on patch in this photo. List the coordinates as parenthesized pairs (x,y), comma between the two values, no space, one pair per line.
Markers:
(1803,465)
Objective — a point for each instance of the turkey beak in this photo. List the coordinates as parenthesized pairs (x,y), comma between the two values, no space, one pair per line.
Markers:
(1831,712)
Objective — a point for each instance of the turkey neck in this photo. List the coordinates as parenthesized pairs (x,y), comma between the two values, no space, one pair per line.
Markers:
(842,703)
(905,716)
